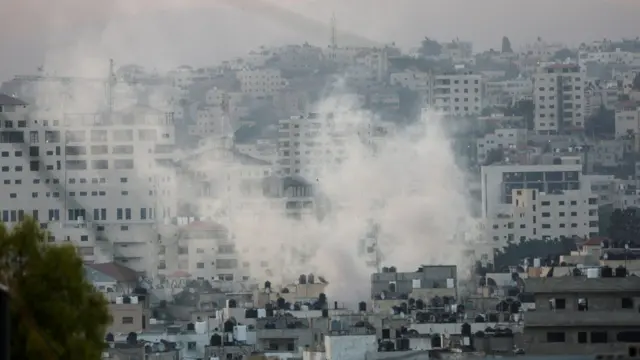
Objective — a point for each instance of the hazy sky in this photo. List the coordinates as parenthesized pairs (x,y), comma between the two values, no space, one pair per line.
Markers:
(165,33)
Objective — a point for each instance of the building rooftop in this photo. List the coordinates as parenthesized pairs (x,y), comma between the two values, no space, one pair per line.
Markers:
(10,100)
(116,271)
(583,284)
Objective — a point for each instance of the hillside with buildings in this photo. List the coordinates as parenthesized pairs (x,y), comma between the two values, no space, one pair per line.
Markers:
(448,201)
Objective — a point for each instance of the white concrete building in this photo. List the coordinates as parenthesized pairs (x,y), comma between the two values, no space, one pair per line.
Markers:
(536,215)
(201,250)
(501,139)
(627,118)
(260,82)
(92,180)
(558,95)
(609,57)
(507,92)
(308,144)
(499,181)
(453,94)
(599,95)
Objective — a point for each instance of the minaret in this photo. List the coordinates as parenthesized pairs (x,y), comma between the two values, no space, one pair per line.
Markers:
(227,134)
(334,36)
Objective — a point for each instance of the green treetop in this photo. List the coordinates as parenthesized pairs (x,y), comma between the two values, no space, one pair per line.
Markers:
(55,312)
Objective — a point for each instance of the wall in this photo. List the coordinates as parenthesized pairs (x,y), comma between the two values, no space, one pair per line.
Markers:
(350,347)
(121,311)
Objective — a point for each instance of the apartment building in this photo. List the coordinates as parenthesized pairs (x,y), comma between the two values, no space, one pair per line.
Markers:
(505,140)
(309,144)
(627,118)
(260,83)
(539,215)
(92,180)
(505,93)
(596,314)
(499,181)
(598,95)
(559,98)
(389,288)
(203,250)
(456,94)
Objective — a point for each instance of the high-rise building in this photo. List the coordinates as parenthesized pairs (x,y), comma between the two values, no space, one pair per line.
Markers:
(559,98)
(95,180)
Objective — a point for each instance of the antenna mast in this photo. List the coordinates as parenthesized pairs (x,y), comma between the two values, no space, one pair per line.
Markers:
(334,33)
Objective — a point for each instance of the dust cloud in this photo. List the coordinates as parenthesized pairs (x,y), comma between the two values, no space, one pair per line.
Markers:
(406,182)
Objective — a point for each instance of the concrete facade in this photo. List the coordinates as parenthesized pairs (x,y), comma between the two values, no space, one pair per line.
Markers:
(580,315)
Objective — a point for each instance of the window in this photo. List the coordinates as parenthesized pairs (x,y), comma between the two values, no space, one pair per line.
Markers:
(627,303)
(598,337)
(555,337)
(558,304)
(546,214)
(127,320)
(583,304)
(628,336)
(582,337)
(143,213)
(119,214)
(84,238)
(200,265)
(127,213)
(226,264)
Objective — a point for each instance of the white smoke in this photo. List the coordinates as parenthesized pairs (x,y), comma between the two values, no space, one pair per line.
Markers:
(407,183)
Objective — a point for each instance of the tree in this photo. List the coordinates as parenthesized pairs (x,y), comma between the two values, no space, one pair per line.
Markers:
(563,54)
(524,108)
(430,47)
(506,45)
(624,227)
(494,156)
(55,312)
(602,123)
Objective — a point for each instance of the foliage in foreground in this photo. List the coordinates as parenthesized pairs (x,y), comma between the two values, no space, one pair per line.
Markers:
(55,312)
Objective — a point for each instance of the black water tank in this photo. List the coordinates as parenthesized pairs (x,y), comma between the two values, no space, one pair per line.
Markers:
(215,340)
(362,306)
(228,326)
(419,304)
(269,312)
(399,344)
(108,338)
(385,269)
(302,279)
(267,284)
(621,271)
(406,344)
(311,279)
(436,341)
(325,313)
(191,327)
(281,303)
(386,334)
(607,272)
(392,269)
(466,329)
(232,303)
